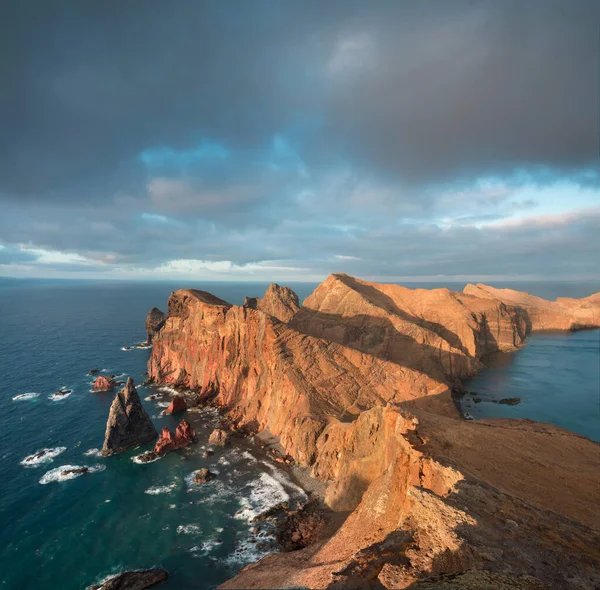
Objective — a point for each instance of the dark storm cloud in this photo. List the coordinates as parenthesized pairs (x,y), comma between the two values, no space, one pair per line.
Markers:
(134,134)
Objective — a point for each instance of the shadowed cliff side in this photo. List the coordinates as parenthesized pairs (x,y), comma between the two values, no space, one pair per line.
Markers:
(563,314)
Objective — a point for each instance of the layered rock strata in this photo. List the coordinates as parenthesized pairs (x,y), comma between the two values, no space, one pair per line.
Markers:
(356,385)
(128,423)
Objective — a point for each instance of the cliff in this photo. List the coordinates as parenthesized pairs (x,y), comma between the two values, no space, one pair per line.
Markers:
(562,314)
(356,385)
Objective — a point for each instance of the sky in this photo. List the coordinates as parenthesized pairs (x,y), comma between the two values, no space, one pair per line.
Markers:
(285,140)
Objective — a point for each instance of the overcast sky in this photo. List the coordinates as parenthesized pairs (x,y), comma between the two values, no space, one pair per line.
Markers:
(285,140)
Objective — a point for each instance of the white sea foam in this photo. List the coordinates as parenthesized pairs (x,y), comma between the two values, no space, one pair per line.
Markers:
(246,552)
(55,397)
(47,457)
(298,493)
(265,492)
(156,490)
(93,453)
(249,457)
(55,474)
(163,404)
(167,389)
(188,529)
(25,396)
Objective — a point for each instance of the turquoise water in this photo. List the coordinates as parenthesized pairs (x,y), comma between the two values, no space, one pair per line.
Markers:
(557,377)
(69,534)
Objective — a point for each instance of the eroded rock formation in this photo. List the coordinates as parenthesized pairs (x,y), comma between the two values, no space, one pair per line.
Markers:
(128,423)
(184,436)
(218,437)
(178,404)
(356,385)
(280,302)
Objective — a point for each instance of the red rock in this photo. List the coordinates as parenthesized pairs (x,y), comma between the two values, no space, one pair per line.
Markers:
(103,383)
(165,443)
(178,404)
(184,436)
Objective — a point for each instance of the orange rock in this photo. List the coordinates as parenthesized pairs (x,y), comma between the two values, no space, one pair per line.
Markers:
(177,404)
(356,386)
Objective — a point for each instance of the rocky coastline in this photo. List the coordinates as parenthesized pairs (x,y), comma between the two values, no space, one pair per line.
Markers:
(356,386)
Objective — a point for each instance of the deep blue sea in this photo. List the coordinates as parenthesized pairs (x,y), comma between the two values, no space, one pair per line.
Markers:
(68,534)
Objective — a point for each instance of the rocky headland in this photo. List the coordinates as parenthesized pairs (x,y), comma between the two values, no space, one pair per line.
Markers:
(356,385)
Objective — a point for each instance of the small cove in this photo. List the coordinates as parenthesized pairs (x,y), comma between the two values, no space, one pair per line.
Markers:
(556,375)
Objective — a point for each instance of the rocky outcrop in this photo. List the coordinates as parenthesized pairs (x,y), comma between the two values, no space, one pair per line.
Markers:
(184,436)
(103,383)
(356,385)
(155,320)
(218,437)
(203,475)
(562,314)
(280,302)
(178,404)
(137,580)
(128,423)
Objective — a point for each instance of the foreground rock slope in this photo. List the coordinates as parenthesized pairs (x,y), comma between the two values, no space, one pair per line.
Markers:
(357,386)
(128,423)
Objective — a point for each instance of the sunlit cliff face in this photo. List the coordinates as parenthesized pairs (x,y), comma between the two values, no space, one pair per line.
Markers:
(278,142)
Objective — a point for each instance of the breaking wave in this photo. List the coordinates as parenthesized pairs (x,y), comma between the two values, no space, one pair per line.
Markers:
(56,474)
(47,455)
(25,396)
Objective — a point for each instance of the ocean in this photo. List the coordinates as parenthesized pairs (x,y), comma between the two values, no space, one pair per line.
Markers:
(71,533)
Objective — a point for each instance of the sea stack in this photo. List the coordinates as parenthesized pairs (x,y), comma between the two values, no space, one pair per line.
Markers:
(128,423)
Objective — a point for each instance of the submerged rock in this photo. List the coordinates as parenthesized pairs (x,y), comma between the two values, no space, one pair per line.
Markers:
(62,392)
(178,404)
(218,437)
(76,471)
(155,320)
(93,372)
(128,423)
(103,383)
(510,401)
(134,580)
